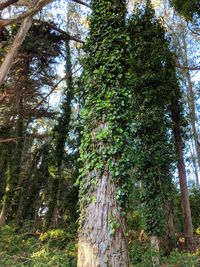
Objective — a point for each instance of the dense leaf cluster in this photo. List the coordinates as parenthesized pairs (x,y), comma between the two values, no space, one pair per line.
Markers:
(188,8)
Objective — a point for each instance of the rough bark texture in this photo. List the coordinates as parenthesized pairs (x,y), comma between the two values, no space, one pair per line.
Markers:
(97,247)
(170,230)
(155,245)
(104,148)
(186,212)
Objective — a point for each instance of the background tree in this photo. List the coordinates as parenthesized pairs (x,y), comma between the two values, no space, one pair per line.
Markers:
(153,149)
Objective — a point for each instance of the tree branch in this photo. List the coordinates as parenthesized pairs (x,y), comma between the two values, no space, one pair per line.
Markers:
(19,38)
(187,67)
(27,18)
(82,3)
(16,139)
(63,33)
(56,85)
(6,3)
(30,12)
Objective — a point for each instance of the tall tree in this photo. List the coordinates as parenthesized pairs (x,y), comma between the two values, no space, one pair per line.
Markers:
(24,91)
(153,150)
(104,151)
(176,114)
(61,133)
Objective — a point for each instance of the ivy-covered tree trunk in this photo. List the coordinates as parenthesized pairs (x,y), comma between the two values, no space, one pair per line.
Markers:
(153,149)
(186,212)
(6,202)
(3,168)
(104,154)
(10,205)
(15,171)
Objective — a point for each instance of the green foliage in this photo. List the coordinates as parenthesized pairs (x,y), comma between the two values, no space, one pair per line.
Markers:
(181,259)
(188,8)
(195,207)
(153,153)
(57,237)
(141,256)
(114,225)
(25,249)
(106,112)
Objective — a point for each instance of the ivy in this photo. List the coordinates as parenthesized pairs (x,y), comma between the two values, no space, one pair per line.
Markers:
(106,112)
(153,153)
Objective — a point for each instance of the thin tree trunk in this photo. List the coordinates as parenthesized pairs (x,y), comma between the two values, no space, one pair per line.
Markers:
(193,120)
(186,212)
(194,163)
(170,231)
(10,57)
(191,105)
(62,131)
(3,176)
(7,196)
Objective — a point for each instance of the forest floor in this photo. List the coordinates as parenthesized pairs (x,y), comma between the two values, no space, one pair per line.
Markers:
(58,248)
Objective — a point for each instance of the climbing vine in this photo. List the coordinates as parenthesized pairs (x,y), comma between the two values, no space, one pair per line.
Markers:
(152,94)
(106,112)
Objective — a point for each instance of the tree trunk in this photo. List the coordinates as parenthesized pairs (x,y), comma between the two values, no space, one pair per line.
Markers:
(104,153)
(102,239)
(62,130)
(170,231)
(6,3)
(155,245)
(7,63)
(186,212)
(3,176)
(191,105)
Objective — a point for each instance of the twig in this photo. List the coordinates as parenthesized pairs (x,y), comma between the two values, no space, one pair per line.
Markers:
(28,13)
(55,86)
(65,34)
(82,3)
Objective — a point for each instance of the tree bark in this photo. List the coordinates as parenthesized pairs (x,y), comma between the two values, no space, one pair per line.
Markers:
(6,65)
(170,231)
(105,140)
(186,212)
(155,245)
(97,246)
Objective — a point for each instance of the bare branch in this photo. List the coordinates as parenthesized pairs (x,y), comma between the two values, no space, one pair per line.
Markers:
(55,86)
(187,67)
(63,33)
(82,3)
(19,38)
(16,139)
(30,12)
(6,3)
